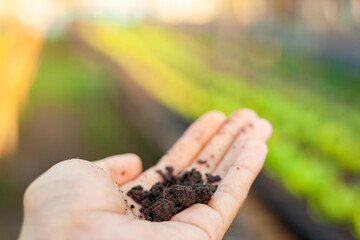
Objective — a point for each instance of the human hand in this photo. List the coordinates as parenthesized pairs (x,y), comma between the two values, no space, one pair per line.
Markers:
(77,199)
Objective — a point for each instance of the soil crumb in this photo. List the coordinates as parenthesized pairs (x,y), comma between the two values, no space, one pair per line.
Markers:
(201,161)
(173,194)
(211,179)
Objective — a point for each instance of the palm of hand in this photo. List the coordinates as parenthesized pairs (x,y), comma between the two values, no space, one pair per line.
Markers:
(77,199)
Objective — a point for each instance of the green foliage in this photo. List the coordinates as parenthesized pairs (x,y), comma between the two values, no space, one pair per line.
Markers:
(71,83)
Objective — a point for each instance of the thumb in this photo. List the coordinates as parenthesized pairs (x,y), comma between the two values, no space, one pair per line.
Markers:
(121,168)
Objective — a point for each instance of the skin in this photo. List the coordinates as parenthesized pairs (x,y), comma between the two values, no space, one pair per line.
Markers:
(78,199)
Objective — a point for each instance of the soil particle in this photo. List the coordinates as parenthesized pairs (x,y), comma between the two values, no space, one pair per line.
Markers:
(201,161)
(173,194)
(211,179)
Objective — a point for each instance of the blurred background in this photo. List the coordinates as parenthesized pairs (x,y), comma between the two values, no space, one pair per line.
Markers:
(91,78)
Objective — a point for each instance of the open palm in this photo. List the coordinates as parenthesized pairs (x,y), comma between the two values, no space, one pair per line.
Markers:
(77,199)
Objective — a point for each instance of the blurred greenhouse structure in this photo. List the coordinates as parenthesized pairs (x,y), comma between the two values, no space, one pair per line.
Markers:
(295,62)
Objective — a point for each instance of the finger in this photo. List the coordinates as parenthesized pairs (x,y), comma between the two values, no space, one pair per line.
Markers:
(121,168)
(216,148)
(235,186)
(258,129)
(186,148)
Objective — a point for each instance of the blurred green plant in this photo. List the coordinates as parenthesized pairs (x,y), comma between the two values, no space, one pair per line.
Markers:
(67,81)
(314,145)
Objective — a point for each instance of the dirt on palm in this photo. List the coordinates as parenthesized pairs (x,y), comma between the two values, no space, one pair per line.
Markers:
(173,194)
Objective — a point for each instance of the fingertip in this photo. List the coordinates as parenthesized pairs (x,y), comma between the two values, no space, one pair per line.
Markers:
(244,112)
(207,122)
(131,157)
(135,161)
(266,125)
(263,129)
(121,168)
(115,159)
(215,115)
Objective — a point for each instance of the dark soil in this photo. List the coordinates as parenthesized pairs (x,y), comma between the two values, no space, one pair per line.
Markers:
(173,194)
(211,179)
(201,161)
